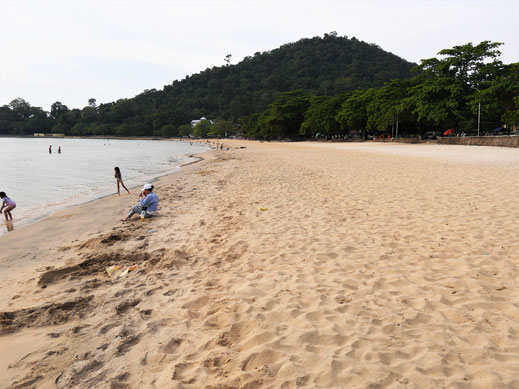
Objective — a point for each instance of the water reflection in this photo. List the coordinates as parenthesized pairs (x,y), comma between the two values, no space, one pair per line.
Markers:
(9,225)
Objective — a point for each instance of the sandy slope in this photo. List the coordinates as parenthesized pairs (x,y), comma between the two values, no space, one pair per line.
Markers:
(372,266)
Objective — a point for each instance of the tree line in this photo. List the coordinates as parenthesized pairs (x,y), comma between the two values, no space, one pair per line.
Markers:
(322,66)
(445,92)
(442,92)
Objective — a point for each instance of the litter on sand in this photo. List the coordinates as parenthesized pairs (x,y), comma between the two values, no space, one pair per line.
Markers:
(263,209)
(131,268)
(113,269)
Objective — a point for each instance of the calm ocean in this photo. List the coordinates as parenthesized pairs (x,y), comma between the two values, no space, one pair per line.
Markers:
(41,183)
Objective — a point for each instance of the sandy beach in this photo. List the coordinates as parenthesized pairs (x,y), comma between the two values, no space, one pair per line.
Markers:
(278,265)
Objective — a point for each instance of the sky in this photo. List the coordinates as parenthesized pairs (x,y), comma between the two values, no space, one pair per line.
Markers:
(74,50)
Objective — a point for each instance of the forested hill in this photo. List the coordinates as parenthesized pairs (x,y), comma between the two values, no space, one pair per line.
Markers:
(323,66)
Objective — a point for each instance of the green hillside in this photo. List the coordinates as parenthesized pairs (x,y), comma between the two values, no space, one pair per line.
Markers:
(323,66)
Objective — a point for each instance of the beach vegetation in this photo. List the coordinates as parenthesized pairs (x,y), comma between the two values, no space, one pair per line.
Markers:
(221,128)
(284,117)
(320,117)
(185,130)
(353,115)
(168,131)
(57,109)
(202,129)
(332,87)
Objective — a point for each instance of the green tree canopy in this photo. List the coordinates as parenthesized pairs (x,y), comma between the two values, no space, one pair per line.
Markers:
(185,130)
(221,128)
(168,130)
(202,129)
(353,114)
(283,118)
(57,109)
(441,94)
(320,116)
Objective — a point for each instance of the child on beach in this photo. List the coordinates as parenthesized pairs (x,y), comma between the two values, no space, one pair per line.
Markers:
(8,204)
(118,176)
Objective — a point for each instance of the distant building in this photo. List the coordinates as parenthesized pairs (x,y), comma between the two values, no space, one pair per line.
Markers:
(41,134)
(195,122)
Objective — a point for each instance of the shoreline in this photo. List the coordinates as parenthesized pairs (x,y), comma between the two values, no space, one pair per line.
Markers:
(74,209)
(35,212)
(278,265)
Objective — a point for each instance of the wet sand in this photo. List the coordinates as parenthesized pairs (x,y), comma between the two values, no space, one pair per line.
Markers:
(278,265)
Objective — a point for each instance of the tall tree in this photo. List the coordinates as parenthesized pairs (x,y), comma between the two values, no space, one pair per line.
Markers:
(320,116)
(445,83)
(283,118)
(391,107)
(21,108)
(202,128)
(499,100)
(353,115)
(57,109)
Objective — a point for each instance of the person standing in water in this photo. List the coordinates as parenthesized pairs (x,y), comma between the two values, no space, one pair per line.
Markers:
(118,176)
(50,149)
(8,204)
(59,149)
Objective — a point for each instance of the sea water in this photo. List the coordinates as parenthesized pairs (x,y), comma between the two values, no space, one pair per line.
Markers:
(41,182)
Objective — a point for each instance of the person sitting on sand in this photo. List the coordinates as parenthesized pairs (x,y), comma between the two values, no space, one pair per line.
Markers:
(8,204)
(148,203)
(118,176)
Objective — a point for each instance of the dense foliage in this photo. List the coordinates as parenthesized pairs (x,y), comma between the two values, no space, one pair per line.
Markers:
(320,66)
(329,86)
(446,92)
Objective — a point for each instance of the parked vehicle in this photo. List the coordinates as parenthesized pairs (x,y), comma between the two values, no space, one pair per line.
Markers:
(432,135)
(500,131)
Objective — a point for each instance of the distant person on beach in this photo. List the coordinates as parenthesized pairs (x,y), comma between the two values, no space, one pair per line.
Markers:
(8,204)
(118,176)
(50,149)
(59,149)
(148,203)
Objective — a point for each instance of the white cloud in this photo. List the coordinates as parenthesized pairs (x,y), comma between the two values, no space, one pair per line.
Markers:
(73,50)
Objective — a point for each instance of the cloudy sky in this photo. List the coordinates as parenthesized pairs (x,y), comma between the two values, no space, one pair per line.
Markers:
(73,50)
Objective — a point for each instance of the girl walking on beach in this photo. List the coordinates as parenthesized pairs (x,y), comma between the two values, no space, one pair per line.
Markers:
(119,179)
(8,204)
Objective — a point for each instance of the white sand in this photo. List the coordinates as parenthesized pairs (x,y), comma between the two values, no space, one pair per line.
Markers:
(373,266)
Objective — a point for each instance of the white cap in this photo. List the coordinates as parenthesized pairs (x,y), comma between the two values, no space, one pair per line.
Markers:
(146,187)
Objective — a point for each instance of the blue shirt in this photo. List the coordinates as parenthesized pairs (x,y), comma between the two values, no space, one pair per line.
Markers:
(151,201)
